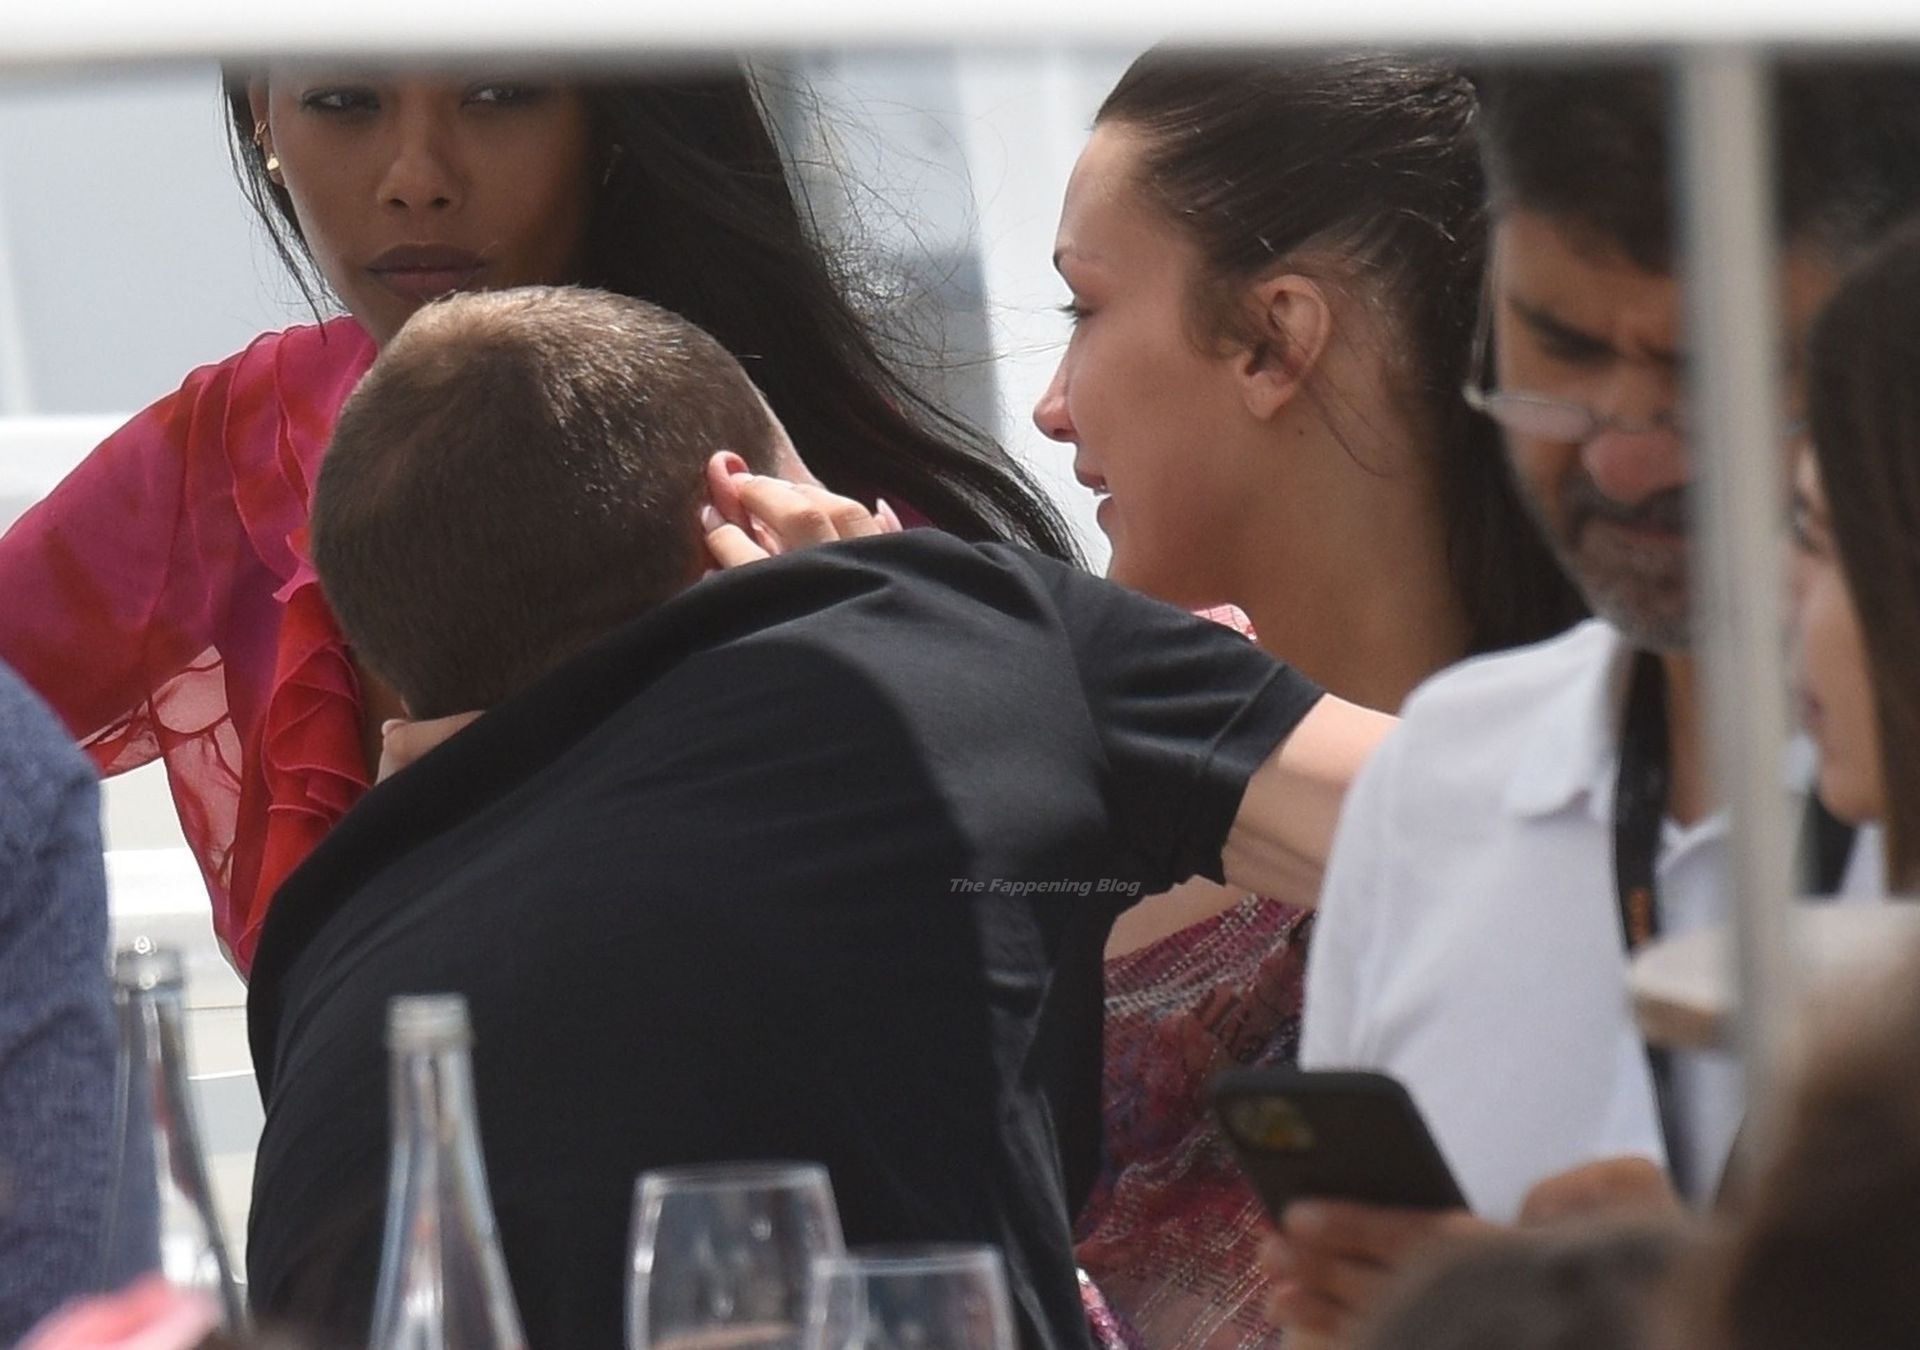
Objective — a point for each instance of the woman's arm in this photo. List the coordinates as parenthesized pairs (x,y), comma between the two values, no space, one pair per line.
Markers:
(94,612)
(1283,833)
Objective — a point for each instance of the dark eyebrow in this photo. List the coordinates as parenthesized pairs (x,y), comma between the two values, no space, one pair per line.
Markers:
(1549,327)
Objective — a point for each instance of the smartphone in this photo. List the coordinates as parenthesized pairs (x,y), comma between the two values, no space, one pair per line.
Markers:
(1331,1135)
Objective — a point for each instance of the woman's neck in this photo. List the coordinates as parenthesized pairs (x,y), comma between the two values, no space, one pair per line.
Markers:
(1371,610)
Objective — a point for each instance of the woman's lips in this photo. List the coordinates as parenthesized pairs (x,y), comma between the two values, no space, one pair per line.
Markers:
(426,283)
(422,272)
(1091,481)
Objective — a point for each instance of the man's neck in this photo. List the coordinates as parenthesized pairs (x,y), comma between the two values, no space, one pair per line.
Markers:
(1690,794)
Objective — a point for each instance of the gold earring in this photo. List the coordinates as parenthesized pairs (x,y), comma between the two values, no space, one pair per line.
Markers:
(260,144)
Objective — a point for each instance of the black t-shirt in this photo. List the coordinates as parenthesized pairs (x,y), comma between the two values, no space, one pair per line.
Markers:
(750,879)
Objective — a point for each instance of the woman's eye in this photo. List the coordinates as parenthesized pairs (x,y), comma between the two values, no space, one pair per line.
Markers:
(344,99)
(1076,313)
(506,92)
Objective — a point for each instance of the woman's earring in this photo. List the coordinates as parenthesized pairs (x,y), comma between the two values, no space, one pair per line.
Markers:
(613,160)
(271,160)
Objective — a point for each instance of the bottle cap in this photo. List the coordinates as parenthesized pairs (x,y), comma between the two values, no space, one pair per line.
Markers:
(145,965)
(428,1022)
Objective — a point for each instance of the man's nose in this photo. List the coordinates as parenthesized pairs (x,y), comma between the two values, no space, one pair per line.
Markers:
(1634,464)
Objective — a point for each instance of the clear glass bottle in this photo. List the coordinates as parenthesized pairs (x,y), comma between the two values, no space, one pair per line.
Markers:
(443,1282)
(157,1137)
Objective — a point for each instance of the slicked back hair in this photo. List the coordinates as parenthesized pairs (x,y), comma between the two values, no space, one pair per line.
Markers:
(1365,165)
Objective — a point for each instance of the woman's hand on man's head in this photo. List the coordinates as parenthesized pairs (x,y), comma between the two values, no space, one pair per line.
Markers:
(749,517)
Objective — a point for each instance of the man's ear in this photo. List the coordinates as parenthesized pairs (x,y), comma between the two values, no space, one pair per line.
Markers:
(1293,324)
(723,493)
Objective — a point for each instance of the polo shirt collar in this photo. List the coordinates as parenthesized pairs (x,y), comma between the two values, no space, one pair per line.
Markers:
(1574,743)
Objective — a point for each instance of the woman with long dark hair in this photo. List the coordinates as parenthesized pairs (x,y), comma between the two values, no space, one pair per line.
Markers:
(1275,269)
(161,598)
(1857,584)
(1822,1238)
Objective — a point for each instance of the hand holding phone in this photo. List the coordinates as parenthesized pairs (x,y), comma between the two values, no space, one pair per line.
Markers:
(1331,1135)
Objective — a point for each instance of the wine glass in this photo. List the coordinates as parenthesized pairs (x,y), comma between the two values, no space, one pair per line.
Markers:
(723,1254)
(911,1298)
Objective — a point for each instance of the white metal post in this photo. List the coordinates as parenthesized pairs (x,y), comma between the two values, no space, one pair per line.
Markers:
(1736,345)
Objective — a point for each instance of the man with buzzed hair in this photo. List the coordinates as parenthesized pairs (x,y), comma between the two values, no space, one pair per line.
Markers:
(815,858)
(1539,813)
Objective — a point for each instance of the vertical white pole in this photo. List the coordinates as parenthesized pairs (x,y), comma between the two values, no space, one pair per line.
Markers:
(16,390)
(1735,340)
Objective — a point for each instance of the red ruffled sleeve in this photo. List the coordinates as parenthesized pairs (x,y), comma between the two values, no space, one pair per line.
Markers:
(159,600)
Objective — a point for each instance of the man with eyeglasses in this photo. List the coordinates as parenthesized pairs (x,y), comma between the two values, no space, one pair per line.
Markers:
(1540,813)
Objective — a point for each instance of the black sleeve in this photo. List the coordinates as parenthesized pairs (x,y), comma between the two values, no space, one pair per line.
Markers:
(1186,708)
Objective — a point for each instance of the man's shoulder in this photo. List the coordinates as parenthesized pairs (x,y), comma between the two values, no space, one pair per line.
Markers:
(1463,733)
(1505,687)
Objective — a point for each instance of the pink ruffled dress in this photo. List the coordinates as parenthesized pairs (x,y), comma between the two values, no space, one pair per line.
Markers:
(161,600)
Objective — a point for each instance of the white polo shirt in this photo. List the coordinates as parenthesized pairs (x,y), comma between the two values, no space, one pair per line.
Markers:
(1469,936)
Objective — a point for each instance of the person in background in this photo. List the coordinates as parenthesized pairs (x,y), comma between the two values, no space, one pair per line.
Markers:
(148,1314)
(1537,815)
(161,598)
(58,1195)
(1275,265)
(1856,591)
(1821,1249)
(1585,1287)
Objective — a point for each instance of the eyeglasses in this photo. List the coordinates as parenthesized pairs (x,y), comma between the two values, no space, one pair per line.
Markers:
(1556,419)
(1540,417)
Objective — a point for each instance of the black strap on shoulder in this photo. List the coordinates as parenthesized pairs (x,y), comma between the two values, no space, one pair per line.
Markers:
(1640,800)
(1639,809)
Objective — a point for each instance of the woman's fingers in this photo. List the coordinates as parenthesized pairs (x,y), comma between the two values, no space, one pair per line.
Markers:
(750,517)
(730,546)
(798,514)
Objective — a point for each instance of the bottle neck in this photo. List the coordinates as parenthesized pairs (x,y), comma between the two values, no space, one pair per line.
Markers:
(162,1200)
(433,1098)
(443,1279)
